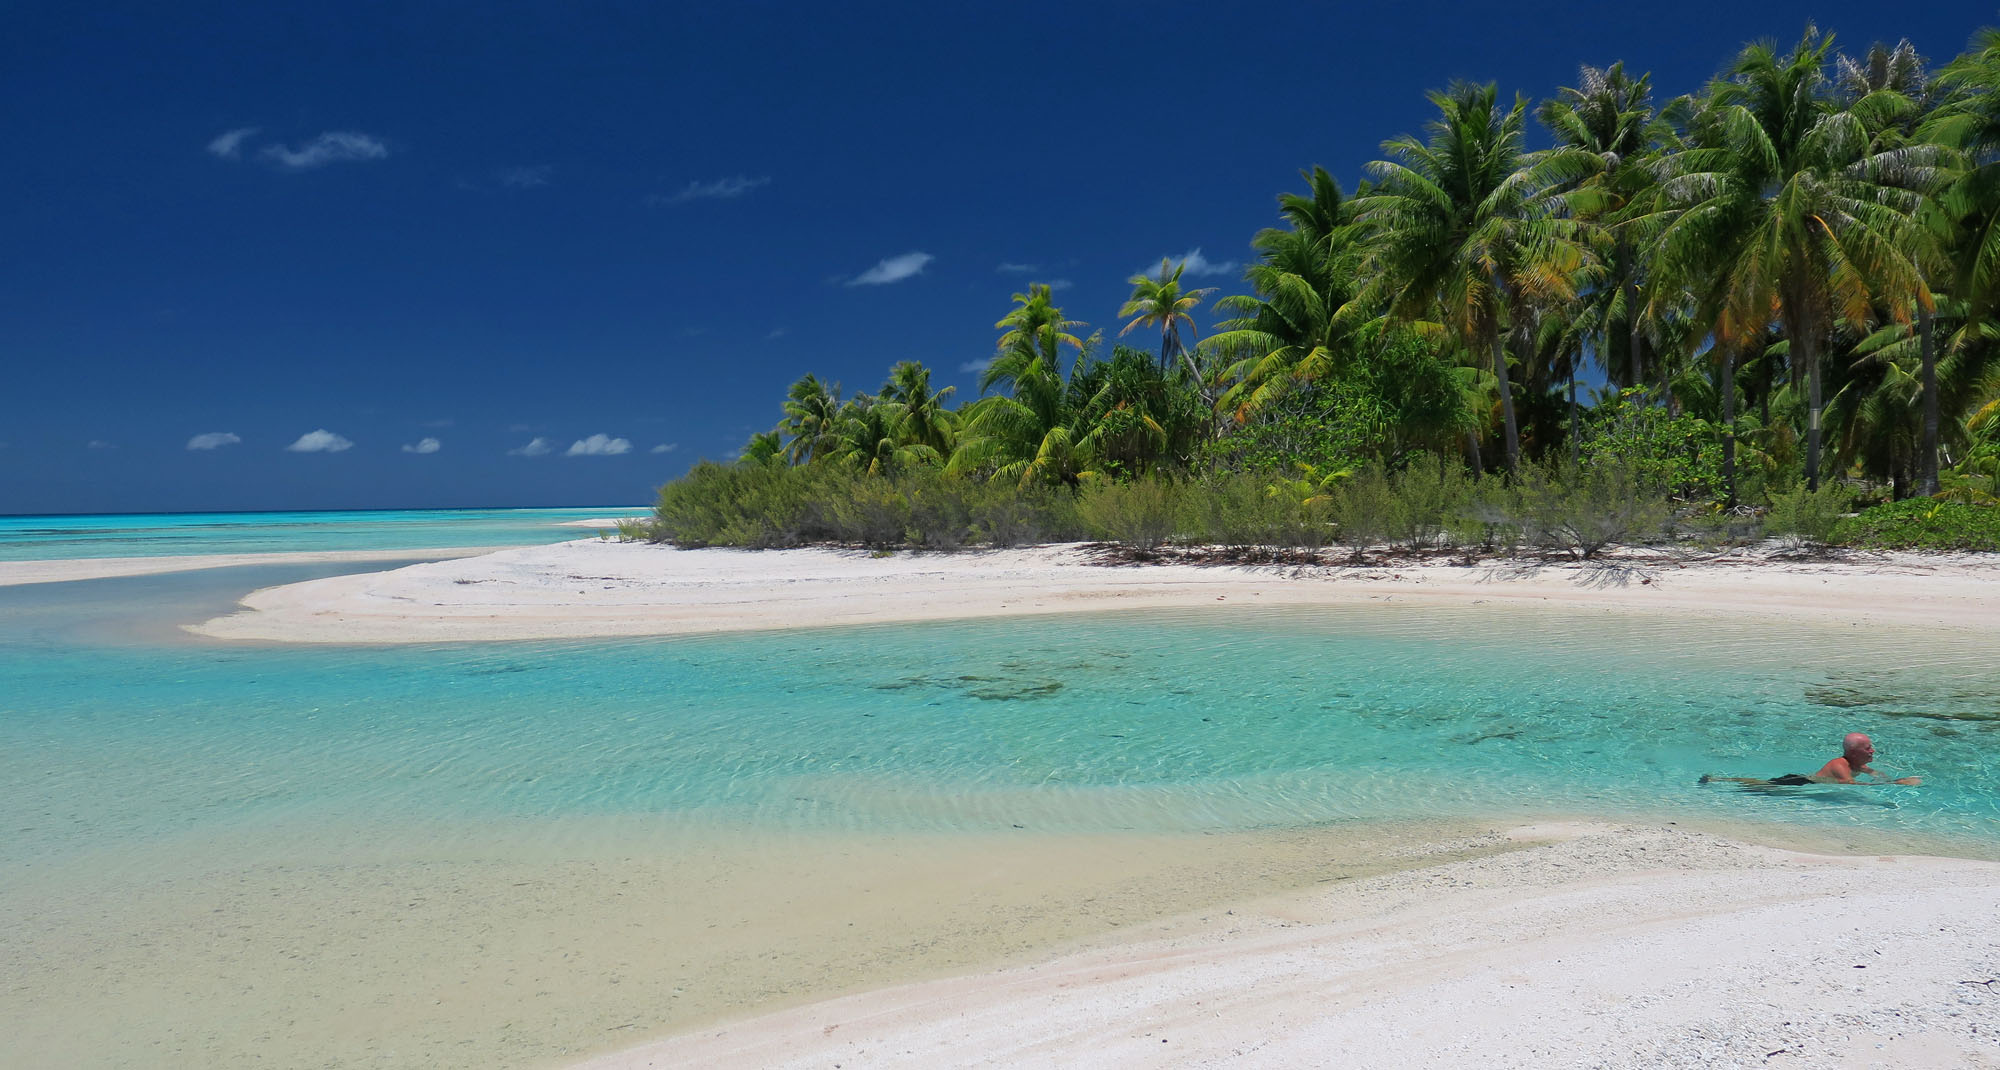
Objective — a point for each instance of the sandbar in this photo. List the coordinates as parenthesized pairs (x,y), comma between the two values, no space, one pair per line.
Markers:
(601,589)
(1612,946)
(64,570)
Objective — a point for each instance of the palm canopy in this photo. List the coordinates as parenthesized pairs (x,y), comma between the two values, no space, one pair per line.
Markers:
(1298,323)
(1968,121)
(1159,301)
(1779,204)
(1463,232)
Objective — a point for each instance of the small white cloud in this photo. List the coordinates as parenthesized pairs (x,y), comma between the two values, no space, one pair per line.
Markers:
(321,441)
(424,445)
(334,146)
(776,333)
(228,145)
(1197,264)
(525,177)
(1056,285)
(536,447)
(721,189)
(100,444)
(1018,269)
(598,446)
(213,440)
(665,447)
(971,367)
(894,269)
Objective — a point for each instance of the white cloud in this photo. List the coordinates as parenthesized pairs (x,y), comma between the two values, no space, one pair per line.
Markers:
(776,333)
(665,447)
(320,441)
(536,447)
(100,444)
(424,445)
(525,177)
(1058,285)
(334,146)
(213,440)
(1018,269)
(1197,264)
(721,189)
(971,367)
(229,144)
(894,269)
(598,446)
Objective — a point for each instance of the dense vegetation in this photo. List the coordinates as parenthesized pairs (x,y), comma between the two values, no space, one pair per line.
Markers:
(1785,281)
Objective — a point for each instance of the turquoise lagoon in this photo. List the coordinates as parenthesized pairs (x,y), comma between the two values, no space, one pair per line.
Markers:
(113,730)
(221,854)
(37,538)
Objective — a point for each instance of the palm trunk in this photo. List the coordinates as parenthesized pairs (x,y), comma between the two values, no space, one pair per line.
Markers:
(1729,423)
(1573,443)
(1927,458)
(1511,437)
(1803,345)
(1472,453)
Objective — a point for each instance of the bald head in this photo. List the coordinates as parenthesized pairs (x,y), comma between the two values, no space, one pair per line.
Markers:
(1858,748)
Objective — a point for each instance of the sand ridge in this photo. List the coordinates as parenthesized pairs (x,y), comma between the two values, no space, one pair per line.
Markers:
(598,588)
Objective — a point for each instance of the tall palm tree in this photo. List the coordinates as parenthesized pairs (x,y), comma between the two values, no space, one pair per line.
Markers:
(1037,326)
(922,418)
(811,410)
(1464,234)
(1777,201)
(1159,301)
(1606,130)
(1298,323)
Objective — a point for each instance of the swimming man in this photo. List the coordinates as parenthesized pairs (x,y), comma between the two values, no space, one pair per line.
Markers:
(1856,751)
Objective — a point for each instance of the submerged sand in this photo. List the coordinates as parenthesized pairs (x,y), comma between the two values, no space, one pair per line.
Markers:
(589,589)
(1607,947)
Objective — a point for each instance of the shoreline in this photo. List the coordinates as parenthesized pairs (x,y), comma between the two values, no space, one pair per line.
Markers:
(72,569)
(1588,943)
(595,589)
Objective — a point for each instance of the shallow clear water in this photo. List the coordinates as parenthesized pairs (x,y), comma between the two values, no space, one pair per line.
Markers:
(113,737)
(34,538)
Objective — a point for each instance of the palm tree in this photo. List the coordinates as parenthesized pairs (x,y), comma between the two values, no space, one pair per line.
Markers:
(1463,234)
(1606,130)
(1777,206)
(923,419)
(1159,301)
(811,409)
(1036,326)
(1298,324)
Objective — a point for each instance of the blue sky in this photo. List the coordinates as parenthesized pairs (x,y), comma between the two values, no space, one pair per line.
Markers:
(579,246)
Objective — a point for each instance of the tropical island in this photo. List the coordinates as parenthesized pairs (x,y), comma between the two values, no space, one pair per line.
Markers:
(1780,288)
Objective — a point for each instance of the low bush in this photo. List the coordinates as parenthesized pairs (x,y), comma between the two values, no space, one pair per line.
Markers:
(1142,513)
(1921,524)
(1806,518)
(1580,510)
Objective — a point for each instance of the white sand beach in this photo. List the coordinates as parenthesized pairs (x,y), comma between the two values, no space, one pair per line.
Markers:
(594,588)
(1602,946)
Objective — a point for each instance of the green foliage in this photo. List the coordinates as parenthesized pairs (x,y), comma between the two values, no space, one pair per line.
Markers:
(1807,518)
(1583,509)
(764,506)
(1681,455)
(1922,524)
(1142,513)
(1244,509)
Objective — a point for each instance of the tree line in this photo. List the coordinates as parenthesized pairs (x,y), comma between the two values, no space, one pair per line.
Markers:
(1786,277)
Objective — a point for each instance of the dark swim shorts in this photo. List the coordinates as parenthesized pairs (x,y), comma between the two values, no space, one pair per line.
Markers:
(1792,780)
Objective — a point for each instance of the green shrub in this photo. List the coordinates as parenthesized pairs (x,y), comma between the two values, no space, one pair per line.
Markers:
(1580,510)
(1807,518)
(1434,494)
(1142,513)
(1922,524)
(1366,509)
